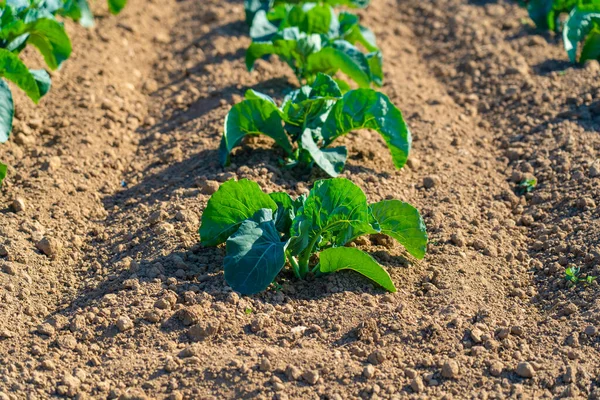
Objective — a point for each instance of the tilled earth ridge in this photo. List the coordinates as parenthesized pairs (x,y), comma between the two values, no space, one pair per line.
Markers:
(133,306)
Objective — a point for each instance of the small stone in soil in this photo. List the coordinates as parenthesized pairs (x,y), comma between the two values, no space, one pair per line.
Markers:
(450,369)
(525,370)
(124,323)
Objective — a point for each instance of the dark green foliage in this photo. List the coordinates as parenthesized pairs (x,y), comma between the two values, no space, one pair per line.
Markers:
(311,118)
(263,232)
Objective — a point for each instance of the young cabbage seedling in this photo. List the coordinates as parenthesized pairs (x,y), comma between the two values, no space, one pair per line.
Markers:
(313,117)
(23,23)
(312,38)
(253,6)
(583,25)
(264,231)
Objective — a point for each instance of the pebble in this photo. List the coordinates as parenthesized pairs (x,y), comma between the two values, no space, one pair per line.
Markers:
(476,335)
(369,371)
(595,169)
(450,369)
(265,365)
(18,205)
(377,357)
(49,246)
(496,368)
(431,181)
(525,370)
(293,373)
(46,329)
(458,239)
(591,330)
(417,385)
(124,323)
(207,187)
(311,376)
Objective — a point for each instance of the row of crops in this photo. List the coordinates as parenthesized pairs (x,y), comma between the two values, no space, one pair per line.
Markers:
(35,23)
(265,232)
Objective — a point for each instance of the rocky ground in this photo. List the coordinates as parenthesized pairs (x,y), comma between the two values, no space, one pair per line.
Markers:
(106,293)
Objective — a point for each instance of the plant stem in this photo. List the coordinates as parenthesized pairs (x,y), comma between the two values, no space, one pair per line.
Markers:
(315,270)
(294,264)
(305,257)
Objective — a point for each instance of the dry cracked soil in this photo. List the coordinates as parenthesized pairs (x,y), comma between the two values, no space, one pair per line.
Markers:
(105,292)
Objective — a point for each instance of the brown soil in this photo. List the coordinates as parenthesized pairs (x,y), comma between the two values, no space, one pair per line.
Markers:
(105,292)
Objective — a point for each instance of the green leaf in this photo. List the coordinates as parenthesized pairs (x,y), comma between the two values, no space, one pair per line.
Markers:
(339,258)
(285,211)
(375,61)
(13,69)
(353,32)
(252,117)
(591,47)
(42,80)
(336,212)
(255,254)
(402,222)
(79,11)
(253,6)
(50,38)
(582,21)
(341,56)
(115,6)
(3,172)
(313,18)
(330,160)
(228,207)
(7,111)
(367,108)
(262,28)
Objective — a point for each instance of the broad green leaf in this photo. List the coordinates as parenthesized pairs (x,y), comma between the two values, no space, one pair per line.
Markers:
(254,6)
(262,28)
(540,11)
(50,38)
(255,254)
(252,117)
(3,172)
(336,212)
(340,258)
(375,60)
(591,47)
(313,18)
(228,207)
(581,22)
(7,111)
(341,56)
(330,160)
(13,69)
(285,211)
(42,80)
(115,6)
(367,108)
(309,105)
(79,11)
(353,32)
(402,222)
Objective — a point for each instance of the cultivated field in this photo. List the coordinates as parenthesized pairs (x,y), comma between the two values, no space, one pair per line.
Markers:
(106,291)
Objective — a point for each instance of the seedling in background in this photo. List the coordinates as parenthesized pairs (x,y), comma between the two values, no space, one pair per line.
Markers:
(583,26)
(253,6)
(312,118)
(526,186)
(263,232)
(573,276)
(312,38)
(545,13)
